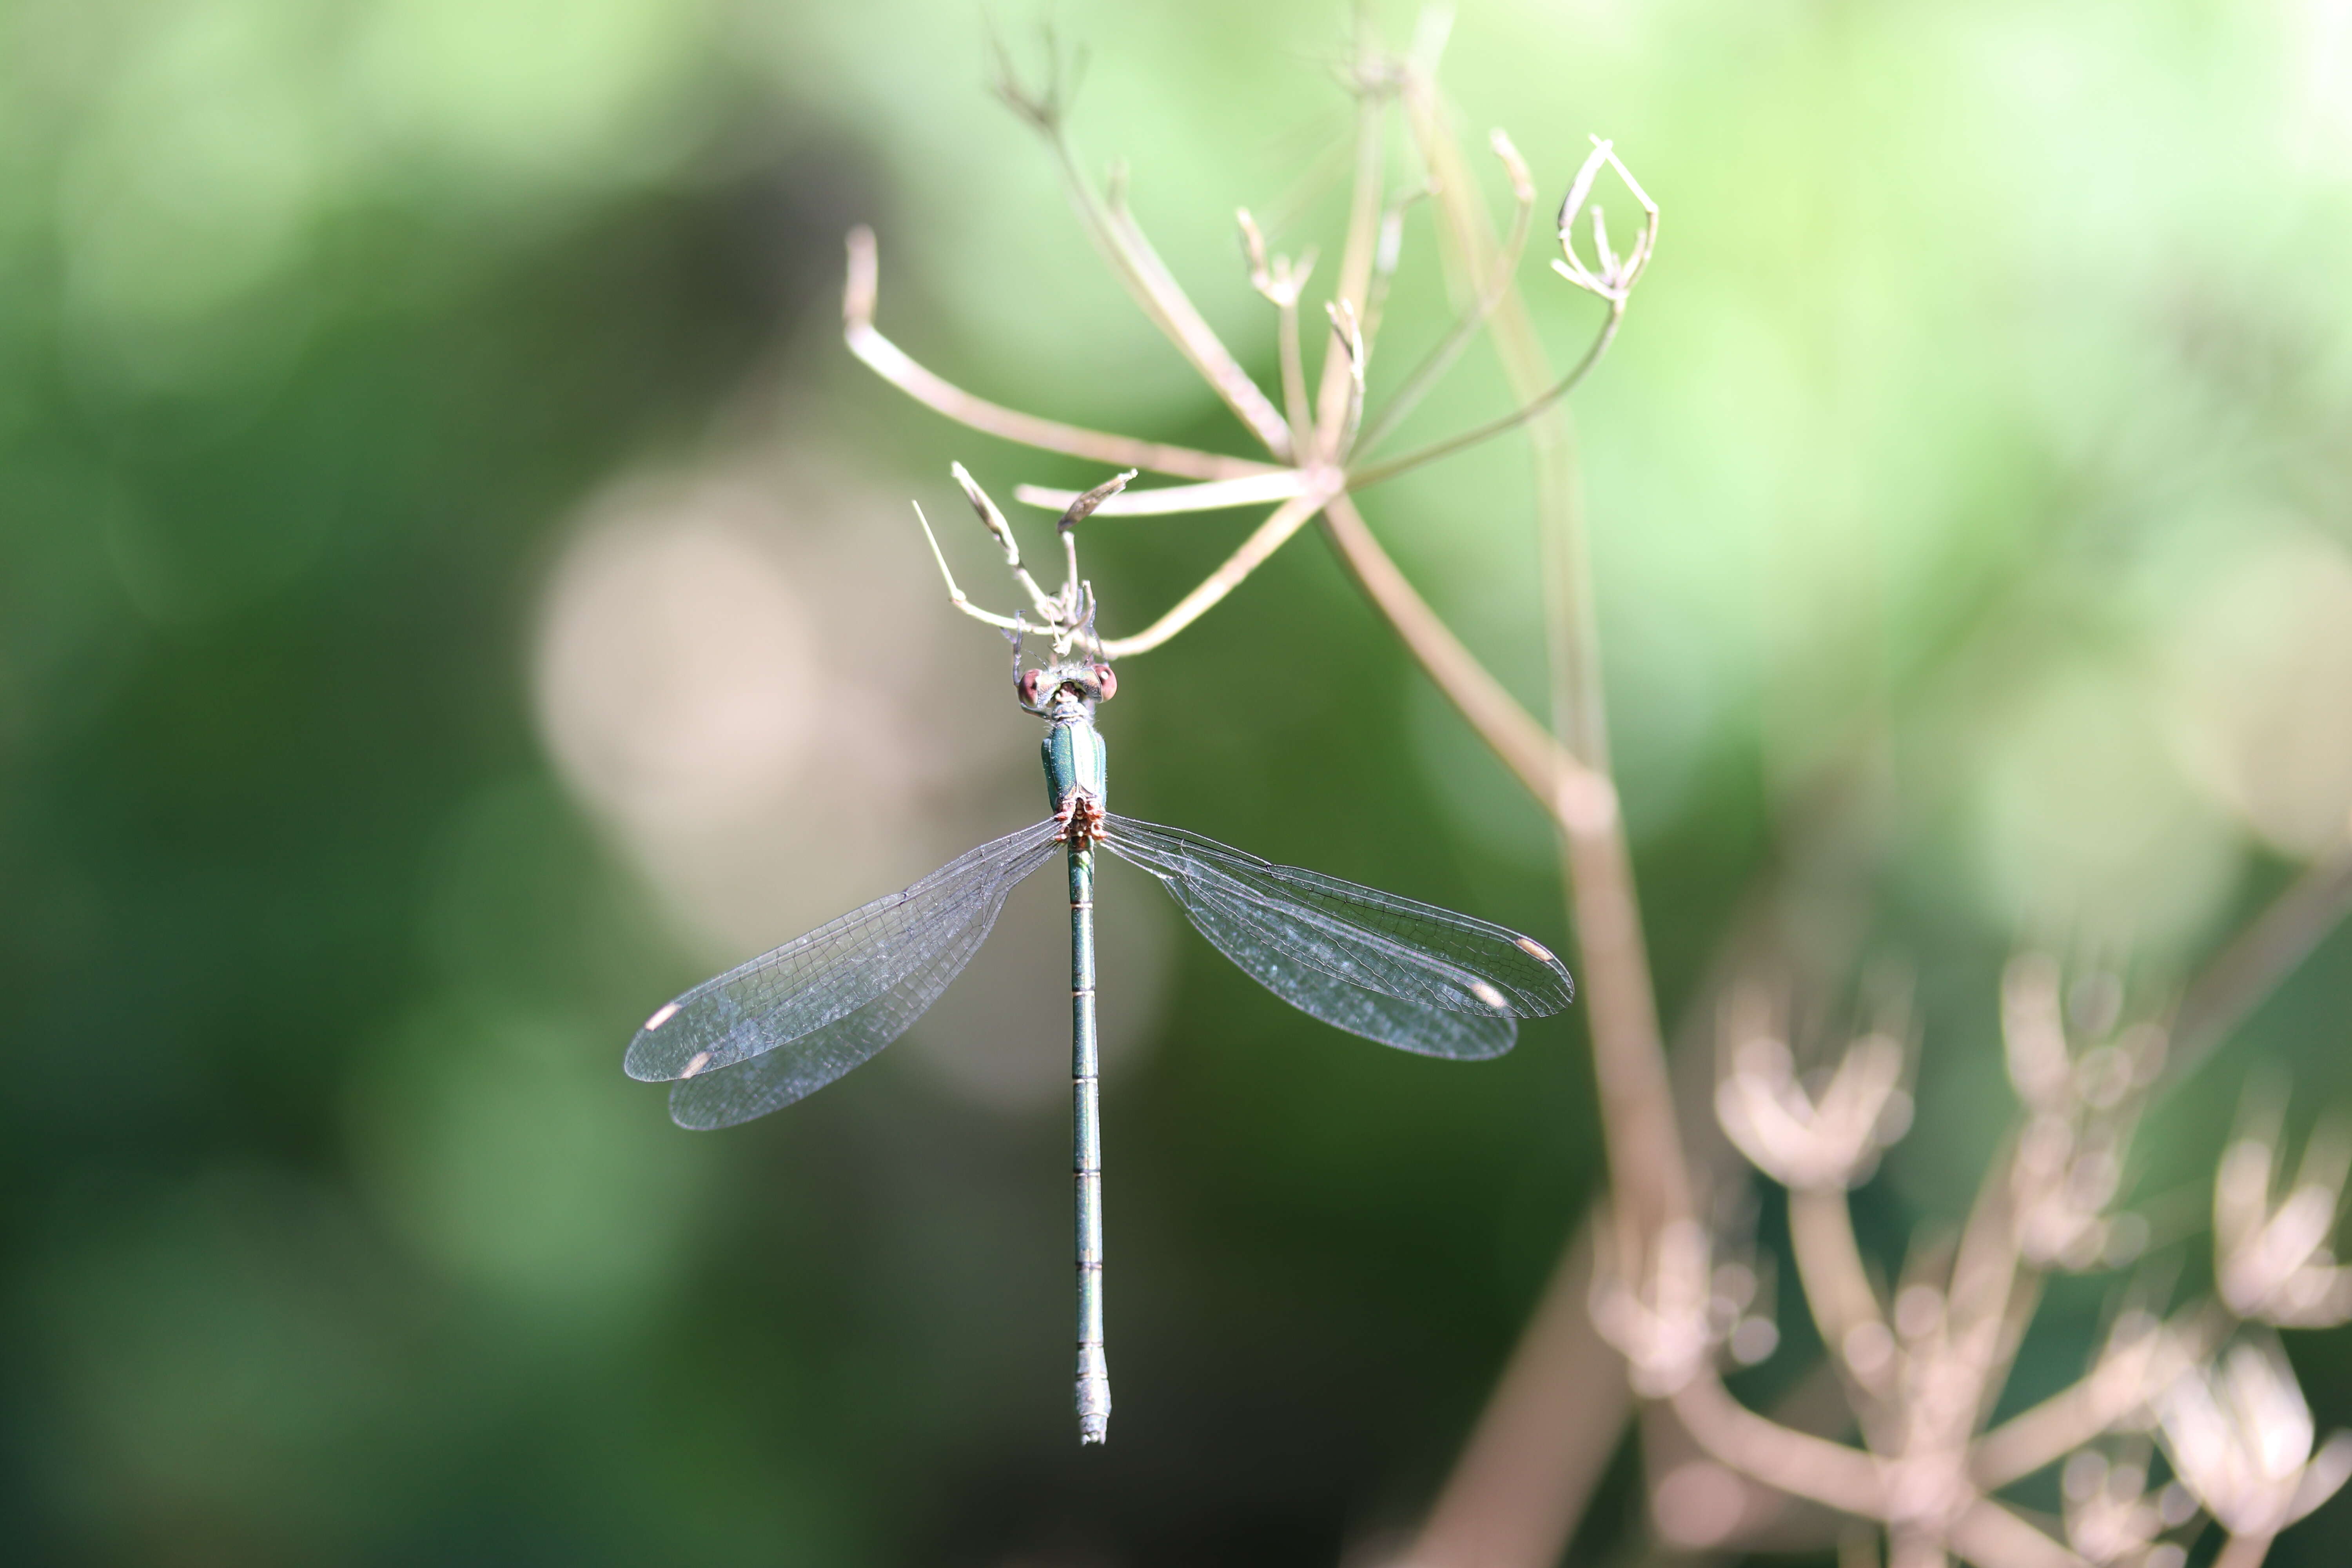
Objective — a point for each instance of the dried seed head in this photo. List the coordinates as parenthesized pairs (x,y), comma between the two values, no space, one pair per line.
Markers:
(1807,1142)
(2083,1106)
(1523,183)
(1614,277)
(1084,507)
(2239,1433)
(1281,279)
(2110,1515)
(1666,1324)
(2275,1259)
(989,517)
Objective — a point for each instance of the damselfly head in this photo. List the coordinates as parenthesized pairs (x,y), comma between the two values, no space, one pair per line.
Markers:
(1065,690)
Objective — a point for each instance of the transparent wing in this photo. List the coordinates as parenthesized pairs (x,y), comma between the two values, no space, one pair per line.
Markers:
(815,1008)
(776,1078)
(1405,974)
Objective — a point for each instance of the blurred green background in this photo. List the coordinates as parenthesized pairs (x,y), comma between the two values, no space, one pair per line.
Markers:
(443,544)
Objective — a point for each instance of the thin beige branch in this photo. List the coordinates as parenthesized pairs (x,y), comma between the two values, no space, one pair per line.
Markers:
(992,519)
(1796,1462)
(1357,258)
(1647,1168)
(1137,264)
(2053,1429)
(1440,360)
(1523,1479)
(2126,1373)
(1629,1061)
(1984,1533)
(1268,537)
(1281,281)
(2265,954)
(1647,1171)
(1508,731)
(892,363)
(1362,477)
(2244,1551)
(1217,495)
(1351,341)
(955,594)
(1837,1286)
(1858,1548)
(1293,369)
(1989,1536)
(1991,1295)
(1388,249)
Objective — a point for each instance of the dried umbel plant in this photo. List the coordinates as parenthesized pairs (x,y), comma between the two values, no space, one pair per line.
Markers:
(1653,1302)
(1322,440)
(1922,1372)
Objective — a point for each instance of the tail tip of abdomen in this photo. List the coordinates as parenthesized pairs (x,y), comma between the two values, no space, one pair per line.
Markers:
(1093,1395)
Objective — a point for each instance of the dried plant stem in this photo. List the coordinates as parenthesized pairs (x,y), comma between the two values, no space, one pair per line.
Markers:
(1268,537)
(1539,762)
(1858,1549)
(1138,265)
(1425,375)
(1991,1536)
(1648,1178)
(2244,1551)
(1637,1103)
(2069,1418)
(1521,1482)
(1533,1509)
(1294,369)
(1535,402)
(891,362)
(1991,1296)
(2265,954)
(1649,1184)
(1642,1265)
(1356,259)
(1796,1462)
(1984,1532)
(1837,1287)
(1217,495)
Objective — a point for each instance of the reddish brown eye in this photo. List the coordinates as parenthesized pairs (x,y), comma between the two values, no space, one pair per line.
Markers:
(1106,681)
(1028,685)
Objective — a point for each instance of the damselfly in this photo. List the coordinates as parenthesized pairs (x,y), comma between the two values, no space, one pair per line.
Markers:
(786,1024)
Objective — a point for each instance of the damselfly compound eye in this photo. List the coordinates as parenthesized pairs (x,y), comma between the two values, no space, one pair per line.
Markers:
(1106,681)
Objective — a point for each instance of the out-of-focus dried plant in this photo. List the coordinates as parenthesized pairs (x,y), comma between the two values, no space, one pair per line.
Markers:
(1807,1141)
(2114,1515)
(1925,1370)
(1652,1301)
(2240,1436)
(2276,1262)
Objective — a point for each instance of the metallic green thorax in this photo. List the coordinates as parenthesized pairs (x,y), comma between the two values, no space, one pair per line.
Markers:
(1076,766)
(1076,758)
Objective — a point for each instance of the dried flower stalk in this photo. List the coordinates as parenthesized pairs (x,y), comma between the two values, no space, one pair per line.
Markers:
(1921,1371)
